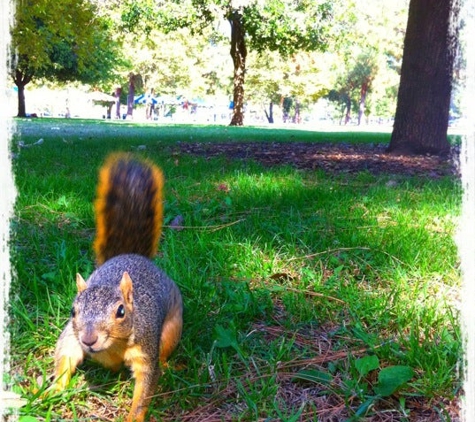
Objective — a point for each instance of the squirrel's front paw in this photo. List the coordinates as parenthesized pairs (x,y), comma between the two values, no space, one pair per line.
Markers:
(54,386)
(56,383)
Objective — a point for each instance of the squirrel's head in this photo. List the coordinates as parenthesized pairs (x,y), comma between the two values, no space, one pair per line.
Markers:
(102,316)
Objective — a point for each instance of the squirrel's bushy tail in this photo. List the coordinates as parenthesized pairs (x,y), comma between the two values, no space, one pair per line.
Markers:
(129,207)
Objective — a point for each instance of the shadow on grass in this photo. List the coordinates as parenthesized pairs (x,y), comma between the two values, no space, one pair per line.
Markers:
(281,270)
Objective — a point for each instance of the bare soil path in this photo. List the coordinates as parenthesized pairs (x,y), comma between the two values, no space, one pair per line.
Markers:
(330,157)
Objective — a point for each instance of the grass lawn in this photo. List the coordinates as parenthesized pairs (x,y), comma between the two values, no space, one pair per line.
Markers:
(308,296)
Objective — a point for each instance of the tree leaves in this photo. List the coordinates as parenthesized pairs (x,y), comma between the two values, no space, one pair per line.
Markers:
(367,364)
(63,40)
(391,378)
(286,27)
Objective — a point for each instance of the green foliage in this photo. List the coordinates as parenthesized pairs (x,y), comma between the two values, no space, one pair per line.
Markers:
(369,57)
(367,364)
(278,25)
(63,41)
(137,17)
(314,376)
(288,27)
(391,379)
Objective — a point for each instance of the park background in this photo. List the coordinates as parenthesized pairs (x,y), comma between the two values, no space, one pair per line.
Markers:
(347,74)
(353,384)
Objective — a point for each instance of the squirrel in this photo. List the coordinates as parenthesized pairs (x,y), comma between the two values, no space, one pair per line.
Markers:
(128,311)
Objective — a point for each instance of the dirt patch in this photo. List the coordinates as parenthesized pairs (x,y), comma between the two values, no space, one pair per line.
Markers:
(330,157)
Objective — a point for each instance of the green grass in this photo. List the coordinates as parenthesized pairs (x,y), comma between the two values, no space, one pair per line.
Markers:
(128,133)
(302,290)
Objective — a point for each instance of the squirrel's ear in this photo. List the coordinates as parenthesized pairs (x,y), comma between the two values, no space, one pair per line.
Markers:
(80,283)
(127,288)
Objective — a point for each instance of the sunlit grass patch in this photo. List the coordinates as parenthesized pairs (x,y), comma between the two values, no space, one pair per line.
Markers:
(302,290)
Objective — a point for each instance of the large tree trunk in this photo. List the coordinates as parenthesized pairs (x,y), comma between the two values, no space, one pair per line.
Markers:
(422,112)
(238,54)
(21,100)
(21,80)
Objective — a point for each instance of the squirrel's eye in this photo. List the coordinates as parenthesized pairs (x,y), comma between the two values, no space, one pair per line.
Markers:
(73,312)
(120,312)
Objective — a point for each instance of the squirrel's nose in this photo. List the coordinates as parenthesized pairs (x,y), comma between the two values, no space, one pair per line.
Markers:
(89,339)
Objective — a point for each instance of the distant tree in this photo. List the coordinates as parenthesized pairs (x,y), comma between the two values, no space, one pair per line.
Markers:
(61,41)
(263,81)
(364,73)
(283,26)
(422,112)
(117,95)
(343,100)
(135,82)
(292,83)
(368,58)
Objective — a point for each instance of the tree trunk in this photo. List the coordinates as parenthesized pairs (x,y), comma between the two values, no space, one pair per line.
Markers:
(285,105)
(362,105)
(270,115)
(21,80)
(347,116)
(238,54)
(422,112)
(297,118)
(21,100)
(130,96)
(118,91)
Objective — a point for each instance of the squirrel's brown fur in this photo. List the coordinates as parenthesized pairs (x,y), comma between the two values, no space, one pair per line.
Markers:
(129,192)
(129,311)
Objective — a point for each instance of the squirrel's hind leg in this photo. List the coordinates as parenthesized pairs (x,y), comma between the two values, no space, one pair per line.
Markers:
(172,327)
